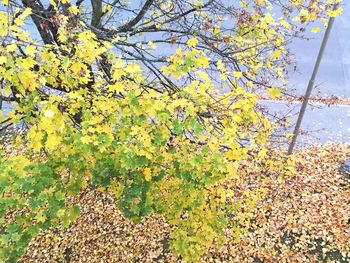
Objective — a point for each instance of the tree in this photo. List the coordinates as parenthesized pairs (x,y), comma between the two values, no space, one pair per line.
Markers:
(104,107)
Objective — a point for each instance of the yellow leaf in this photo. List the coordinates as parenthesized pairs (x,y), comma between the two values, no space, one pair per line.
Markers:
(285,24)
(237,74)
(77,67)
(28,63)
(30,50)
(5,2)
(233,154)
(262,153)
(148,174)
(220,65)
(152,45)
(276,54)
(274,93)
(11,47)
(304,15)
(40,217)
(52,141)
(334,13)
(35,137)
(133,68)
(315,29)
(11,115)
(60,212)
(86,35)
(1,116)
(2,60)
(203,61)
(117,87)
(223,76)
(232,168)
(74,9)
(268,18)
(192,42)
(28,79)
(85,139)
(26,13)
(260,2)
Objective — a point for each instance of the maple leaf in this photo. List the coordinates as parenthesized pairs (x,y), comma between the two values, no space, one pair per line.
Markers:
(192,42)
(148,174)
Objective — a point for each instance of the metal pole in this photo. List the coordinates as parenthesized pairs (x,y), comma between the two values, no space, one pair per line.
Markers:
(311,84)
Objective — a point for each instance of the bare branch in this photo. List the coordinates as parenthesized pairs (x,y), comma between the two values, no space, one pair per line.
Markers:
(96,13)
(40,22)
(137,19)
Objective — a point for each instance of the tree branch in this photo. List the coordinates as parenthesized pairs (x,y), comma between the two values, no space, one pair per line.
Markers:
(41,23)
(96,13)
(137,19)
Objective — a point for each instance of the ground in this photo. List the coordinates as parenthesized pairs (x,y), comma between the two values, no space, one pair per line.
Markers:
(305,217)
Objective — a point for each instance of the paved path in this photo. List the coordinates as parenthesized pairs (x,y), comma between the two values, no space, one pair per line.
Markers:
(321,122)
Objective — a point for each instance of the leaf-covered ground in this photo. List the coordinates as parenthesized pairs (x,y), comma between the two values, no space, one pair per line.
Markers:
(304,218)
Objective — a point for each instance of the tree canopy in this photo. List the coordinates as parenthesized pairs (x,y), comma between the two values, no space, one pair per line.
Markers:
(154,101)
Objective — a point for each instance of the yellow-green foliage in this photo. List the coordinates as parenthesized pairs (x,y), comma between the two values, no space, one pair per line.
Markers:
(166,152)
